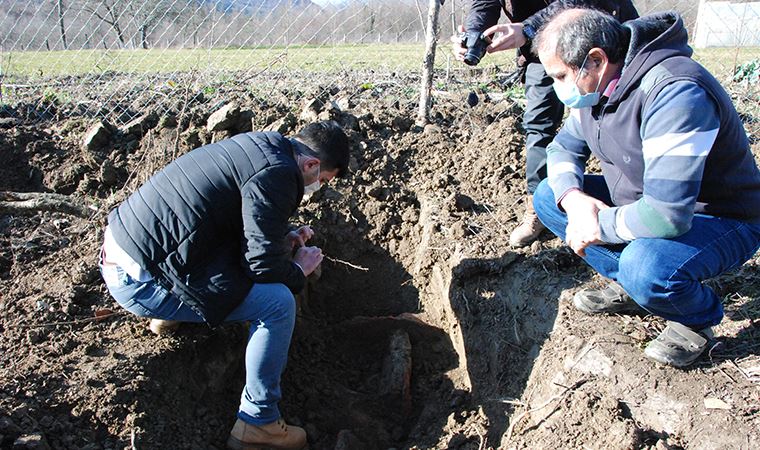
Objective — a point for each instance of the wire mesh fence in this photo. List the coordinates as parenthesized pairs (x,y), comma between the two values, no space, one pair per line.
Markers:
(115,58)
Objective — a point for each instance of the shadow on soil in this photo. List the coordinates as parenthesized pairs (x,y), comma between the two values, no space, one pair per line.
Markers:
(507,308)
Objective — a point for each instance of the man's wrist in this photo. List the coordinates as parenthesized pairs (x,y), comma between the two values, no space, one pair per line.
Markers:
(299,266)
(528,31)
(572,192)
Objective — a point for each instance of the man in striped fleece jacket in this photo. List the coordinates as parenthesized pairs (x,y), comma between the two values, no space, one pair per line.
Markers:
(678,201)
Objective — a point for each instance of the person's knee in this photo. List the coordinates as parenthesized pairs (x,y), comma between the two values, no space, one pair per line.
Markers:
(543,201)
(642,273)
(282,302)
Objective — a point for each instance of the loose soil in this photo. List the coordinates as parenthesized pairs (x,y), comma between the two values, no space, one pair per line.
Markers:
(425,330)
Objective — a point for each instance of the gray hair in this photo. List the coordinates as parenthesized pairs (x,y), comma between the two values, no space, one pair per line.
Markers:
(574,32)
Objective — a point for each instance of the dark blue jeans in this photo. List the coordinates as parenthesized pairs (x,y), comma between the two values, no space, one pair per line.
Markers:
(664,276)
(541,119)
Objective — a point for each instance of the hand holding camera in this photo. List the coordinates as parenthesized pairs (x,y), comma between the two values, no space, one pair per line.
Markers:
(470,46)
(475,44)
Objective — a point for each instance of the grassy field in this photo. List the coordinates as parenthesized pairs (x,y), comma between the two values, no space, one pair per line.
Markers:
(309,58)
(37,65)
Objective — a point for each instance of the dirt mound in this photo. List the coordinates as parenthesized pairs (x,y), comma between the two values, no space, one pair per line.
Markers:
(425,330)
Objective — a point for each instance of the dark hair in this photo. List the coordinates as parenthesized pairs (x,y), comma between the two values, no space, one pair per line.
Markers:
(577,35)
(328,143)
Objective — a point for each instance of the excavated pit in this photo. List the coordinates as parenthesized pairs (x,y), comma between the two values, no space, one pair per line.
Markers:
(363,368)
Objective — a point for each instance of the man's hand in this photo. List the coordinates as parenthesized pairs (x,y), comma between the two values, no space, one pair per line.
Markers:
(511,37)
(298,238)
(456,45)
(582,220)
(308,258)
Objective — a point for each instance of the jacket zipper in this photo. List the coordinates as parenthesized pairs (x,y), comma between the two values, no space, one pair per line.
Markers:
(613,189)
(599,132)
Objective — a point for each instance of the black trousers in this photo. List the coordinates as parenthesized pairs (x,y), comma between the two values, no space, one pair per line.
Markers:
(542,117)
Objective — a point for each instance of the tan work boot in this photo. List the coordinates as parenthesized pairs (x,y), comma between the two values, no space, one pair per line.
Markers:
(277,435)
(159,326)
(528,229)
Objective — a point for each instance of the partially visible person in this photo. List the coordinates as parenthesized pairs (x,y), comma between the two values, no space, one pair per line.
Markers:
(206,239)
(678,201)
(543,110)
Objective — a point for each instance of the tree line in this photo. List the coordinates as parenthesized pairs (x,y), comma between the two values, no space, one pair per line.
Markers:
(34,25)
(118,24)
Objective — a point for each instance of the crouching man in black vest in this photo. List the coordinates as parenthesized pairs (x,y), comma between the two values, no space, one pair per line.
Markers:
(206,240)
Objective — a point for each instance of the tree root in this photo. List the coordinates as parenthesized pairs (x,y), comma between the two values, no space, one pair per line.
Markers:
(25,202)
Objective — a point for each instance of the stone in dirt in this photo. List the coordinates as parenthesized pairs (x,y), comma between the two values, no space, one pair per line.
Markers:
(472,99)
(311,109)
(141,125)
(97,137)
(463,202)
(283,125)
(431,129)
(223,118)
(35,441)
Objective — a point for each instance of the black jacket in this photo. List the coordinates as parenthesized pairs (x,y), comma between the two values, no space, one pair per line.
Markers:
(213,222)
(485,13)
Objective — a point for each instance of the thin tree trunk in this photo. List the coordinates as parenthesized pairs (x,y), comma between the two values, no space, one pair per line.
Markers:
(119,34)
(144,36)
(431,40)
(61,25)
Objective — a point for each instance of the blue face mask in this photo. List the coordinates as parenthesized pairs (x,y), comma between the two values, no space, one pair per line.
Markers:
(571,96)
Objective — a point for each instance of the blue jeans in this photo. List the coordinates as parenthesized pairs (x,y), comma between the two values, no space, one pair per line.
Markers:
(270,308)
(664,276)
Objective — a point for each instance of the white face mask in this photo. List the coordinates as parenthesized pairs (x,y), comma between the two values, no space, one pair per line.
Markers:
(313,187)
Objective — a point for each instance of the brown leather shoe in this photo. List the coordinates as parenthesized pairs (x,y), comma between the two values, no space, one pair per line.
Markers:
(159,326)
(276,435)
(529,228)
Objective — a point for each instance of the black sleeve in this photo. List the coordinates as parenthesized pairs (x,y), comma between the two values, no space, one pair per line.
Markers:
(483,14)
(268,201)
(622,9)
